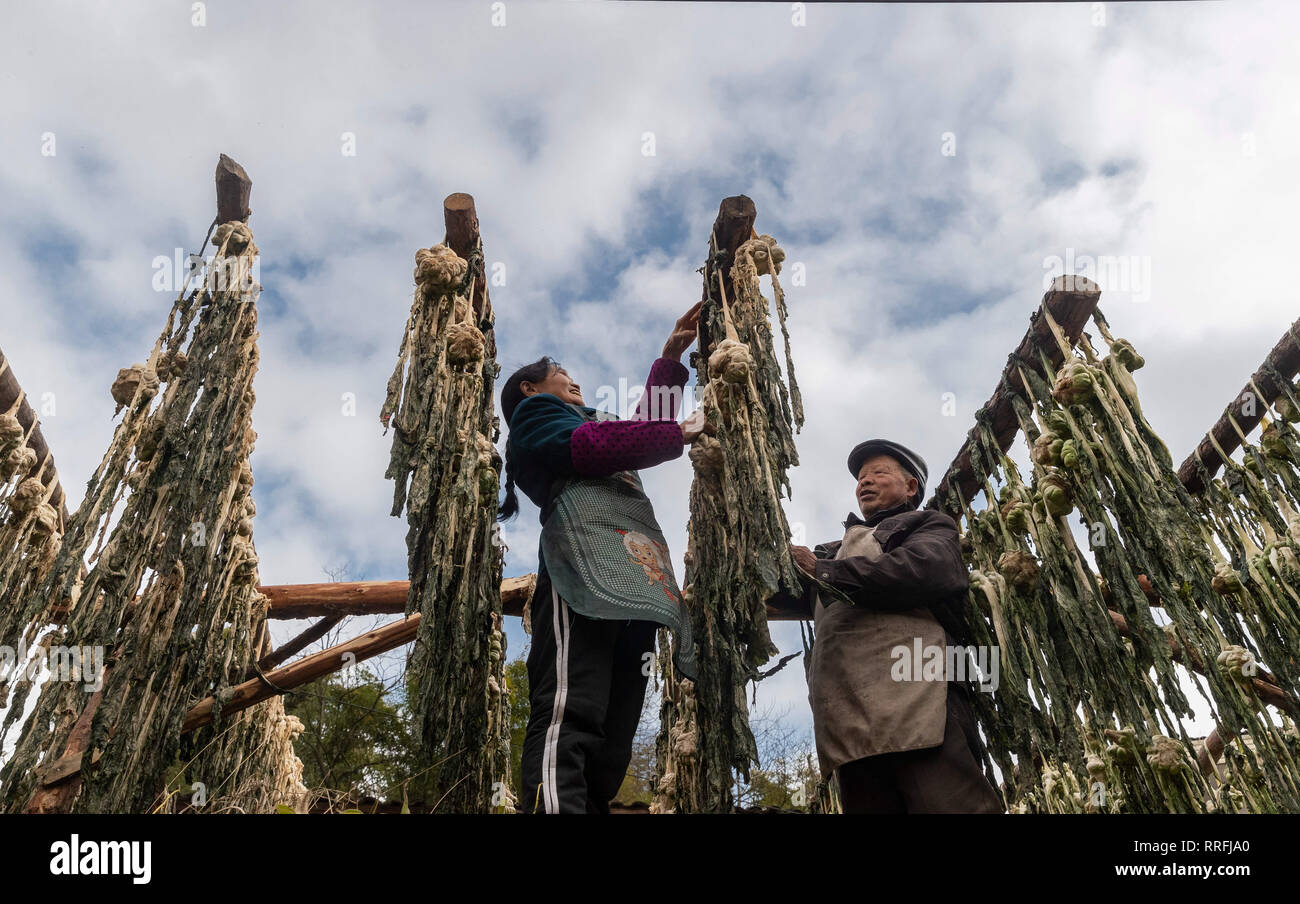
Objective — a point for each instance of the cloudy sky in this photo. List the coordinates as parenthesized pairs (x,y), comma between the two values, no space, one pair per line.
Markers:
(924,163)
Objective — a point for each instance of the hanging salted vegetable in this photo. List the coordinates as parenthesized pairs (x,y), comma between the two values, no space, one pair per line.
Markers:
(1088,714)
(440,400)
(31,529)
(738,539)
(171,585)
(245,762)
(1251,513)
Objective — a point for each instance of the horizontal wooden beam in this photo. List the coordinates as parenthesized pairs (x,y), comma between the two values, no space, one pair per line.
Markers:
(1071,301)
(389,597)
(362,598)
(1284,360)
(370,598)
(306,670)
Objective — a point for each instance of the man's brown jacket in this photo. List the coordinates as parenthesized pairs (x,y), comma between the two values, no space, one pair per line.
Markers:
(904,572)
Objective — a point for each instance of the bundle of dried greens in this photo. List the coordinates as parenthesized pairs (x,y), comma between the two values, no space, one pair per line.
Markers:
(244,762)
(170,592)
(440,401)
(738,539)
(1089,713)
(31,526)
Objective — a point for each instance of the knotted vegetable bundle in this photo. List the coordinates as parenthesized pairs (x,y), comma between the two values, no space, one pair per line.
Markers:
(440,400)
(170,595)
(31,527)
(738,539)
(1102,626)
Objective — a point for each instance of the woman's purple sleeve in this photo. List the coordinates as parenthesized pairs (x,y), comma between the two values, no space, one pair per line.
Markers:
(601,448)
(663,391)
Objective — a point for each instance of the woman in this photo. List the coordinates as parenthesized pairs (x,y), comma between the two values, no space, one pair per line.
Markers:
(604,580)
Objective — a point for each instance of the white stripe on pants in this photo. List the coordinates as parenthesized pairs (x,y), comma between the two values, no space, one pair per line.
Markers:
(550,796)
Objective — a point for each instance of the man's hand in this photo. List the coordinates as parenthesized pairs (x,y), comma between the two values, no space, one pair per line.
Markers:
(684,333)
(804,558)
(694,425)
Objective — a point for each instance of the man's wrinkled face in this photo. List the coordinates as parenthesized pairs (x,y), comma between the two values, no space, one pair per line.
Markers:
(883,484)
(557,384)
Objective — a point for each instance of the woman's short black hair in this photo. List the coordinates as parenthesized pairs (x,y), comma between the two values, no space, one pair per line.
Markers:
(511,395)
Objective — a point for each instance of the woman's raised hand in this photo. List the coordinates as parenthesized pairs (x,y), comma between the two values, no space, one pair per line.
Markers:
(684,332)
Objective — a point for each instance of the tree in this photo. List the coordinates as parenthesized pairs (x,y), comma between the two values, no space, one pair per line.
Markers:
(517,711)
(358,740)
(788,775)
(354,741)
(639,784)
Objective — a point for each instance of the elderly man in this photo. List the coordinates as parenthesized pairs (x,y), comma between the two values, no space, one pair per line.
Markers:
(897,744)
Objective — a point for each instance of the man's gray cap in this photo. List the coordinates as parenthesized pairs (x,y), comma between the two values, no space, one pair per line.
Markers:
(910,461)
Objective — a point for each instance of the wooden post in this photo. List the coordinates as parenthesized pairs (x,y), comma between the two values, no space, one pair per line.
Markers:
(1283,359)
(1071,301)
(461,219)
(733,226)
(233,189)
(52,794)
